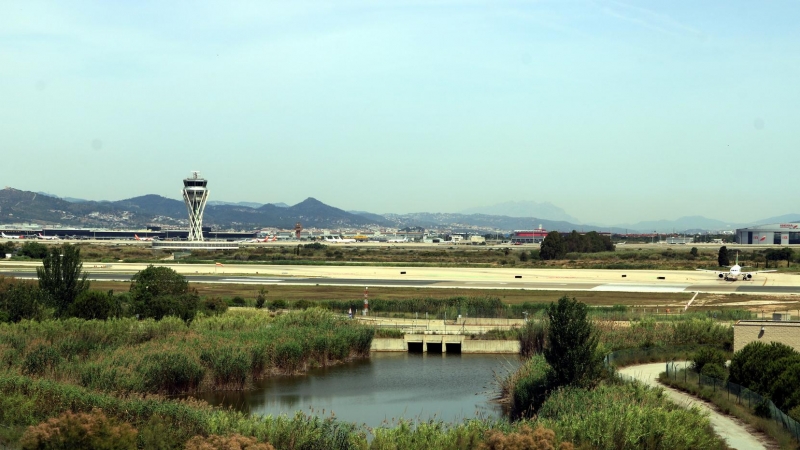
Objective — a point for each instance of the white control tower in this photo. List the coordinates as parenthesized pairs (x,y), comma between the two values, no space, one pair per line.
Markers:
(195,195)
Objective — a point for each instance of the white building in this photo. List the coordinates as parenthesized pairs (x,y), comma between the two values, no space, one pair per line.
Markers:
(774,234)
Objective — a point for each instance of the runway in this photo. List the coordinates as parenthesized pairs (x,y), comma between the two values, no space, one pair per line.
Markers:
(554,280)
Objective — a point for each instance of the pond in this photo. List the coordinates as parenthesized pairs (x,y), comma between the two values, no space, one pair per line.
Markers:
(385,387)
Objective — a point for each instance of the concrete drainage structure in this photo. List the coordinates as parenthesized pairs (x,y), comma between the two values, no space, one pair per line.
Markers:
(437,343)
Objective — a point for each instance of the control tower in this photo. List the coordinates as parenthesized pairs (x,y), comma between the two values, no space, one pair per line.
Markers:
(195,195)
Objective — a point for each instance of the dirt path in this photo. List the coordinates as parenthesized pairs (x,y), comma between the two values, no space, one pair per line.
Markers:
(734,431)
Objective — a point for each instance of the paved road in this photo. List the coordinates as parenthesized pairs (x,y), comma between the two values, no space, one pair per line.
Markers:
(734,431)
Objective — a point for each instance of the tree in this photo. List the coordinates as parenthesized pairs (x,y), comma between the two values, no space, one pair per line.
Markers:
(33,250)
(262,296)
(157,281)
(552,246)
(160,291)
(694,252)
(723,259)
(572,345)
(7,248)
(61,277)
(95,305)
(19,300)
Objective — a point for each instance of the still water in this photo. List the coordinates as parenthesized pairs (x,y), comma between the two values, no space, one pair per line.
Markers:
(384,387)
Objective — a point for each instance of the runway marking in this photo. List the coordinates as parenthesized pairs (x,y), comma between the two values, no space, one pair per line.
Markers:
(251,280)
(690,301)
(640,288)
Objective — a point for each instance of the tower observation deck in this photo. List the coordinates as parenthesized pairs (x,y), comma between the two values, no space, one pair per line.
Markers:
(195,195)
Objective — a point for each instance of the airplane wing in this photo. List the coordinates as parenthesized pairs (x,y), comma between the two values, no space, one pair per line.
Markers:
(760,271)
(708,270)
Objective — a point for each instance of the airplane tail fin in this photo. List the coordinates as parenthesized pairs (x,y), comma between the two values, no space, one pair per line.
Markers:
(737,258)
(136,236)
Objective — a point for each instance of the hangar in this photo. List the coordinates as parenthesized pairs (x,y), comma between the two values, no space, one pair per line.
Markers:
(775,234)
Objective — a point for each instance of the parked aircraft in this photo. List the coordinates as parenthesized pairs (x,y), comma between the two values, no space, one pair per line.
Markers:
(12,237)
(136,236)
(397,241)
(736,271)
(338,240)
(49,238)
(265,239)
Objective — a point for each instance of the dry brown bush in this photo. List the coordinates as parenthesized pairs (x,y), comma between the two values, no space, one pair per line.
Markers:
(525,439)
(233,442)
(82,430)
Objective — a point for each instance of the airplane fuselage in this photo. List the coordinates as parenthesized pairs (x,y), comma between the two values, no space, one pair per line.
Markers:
(735,273)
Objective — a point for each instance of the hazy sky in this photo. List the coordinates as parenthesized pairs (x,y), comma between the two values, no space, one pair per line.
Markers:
(614,111)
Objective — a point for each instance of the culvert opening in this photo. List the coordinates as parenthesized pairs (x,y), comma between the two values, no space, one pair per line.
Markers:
(415,347)
(434,347)
(453,347)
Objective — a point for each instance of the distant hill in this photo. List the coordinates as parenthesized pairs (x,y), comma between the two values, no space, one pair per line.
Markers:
(47,209)
(485,222)
(681,224)
(23,206)
(544,210)
(786,218)
(246,204)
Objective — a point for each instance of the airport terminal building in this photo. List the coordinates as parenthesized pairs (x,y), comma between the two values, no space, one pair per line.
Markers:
(775,234)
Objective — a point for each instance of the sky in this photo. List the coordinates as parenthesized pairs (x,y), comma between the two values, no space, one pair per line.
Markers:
(614,111)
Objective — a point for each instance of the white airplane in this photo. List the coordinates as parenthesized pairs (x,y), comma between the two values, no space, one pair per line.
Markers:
(49,238)
(145,239)
(338,240)
(397,241)
(736,271)
(12,237)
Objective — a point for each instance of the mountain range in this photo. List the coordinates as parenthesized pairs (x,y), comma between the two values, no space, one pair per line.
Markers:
(18,206)
(545,210)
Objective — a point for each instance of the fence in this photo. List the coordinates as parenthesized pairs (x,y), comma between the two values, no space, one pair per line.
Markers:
(649,354)
(742,394)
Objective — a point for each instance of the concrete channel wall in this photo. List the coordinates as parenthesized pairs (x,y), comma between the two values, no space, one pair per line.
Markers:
(443,344)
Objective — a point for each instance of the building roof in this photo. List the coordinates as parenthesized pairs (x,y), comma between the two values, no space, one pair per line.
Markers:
(789,226)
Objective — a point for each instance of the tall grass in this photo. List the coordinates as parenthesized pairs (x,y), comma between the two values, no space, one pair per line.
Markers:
(26,401)
(625,416)
(219,352)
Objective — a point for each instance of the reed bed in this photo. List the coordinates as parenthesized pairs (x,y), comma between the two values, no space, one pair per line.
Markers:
(169,357)
(625,416)
(163,423)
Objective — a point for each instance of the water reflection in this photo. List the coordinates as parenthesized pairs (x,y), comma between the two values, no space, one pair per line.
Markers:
(386,387)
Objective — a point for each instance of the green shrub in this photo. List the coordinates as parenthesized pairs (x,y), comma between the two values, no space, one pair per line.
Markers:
(261,299)
(748,365)
(33,250)
(714,370)
(214,306)
(238,301)
(19,300)
(94,305)
(705,356)
(762,409)
(785,389)
(303,304)
(532,383)
(277,304)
